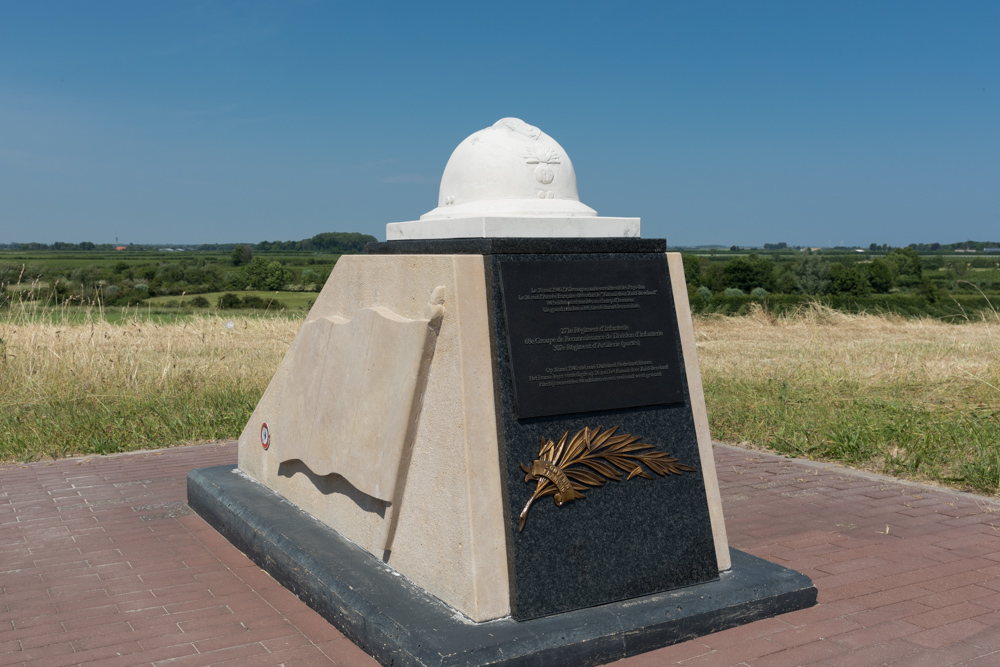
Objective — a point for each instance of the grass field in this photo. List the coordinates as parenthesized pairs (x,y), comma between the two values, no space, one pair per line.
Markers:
(98,387)
(909,397)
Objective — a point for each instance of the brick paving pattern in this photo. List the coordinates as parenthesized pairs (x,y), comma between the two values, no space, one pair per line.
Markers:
(102,563)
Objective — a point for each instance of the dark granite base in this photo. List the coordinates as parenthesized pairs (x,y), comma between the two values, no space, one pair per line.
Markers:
(514,246)
(402,625)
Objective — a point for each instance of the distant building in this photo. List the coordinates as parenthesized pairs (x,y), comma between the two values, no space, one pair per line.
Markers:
(120,247)
(991,249)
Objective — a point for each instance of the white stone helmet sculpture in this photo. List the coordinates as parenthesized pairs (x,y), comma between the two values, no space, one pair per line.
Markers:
(509,169)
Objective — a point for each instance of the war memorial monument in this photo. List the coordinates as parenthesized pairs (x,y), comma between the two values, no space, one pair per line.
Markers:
(488,443)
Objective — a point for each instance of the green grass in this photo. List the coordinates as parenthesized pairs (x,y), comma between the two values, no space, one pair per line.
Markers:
(120,422)
(889,435)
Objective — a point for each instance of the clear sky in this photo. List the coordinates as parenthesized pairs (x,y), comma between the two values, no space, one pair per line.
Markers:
(812,123)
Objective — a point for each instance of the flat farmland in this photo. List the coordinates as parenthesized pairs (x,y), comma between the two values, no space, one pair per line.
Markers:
(914,398)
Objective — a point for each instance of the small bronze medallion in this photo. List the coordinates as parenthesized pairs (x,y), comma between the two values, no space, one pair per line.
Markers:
(591,458)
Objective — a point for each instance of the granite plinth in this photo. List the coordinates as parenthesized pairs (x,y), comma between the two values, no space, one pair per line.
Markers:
(515,246)
(402,625)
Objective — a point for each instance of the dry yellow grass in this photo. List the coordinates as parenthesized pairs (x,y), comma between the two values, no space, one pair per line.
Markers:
(909,397)
(929,362)
(914,397)
(90,388)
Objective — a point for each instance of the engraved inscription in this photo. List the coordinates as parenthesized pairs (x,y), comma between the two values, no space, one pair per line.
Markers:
(589,335)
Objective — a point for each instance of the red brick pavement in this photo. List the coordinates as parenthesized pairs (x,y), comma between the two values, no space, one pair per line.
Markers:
(101,563)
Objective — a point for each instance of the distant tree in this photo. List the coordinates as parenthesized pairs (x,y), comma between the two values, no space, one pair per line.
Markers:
(9,273)
(873,247)
(713,276)
(695,299)
(170,273)
(882,275)
(692,269)
(745,273)
(848,280)
(907,261)
(734,248)
(261,274)
(340,242)
(200,302)
(935,246)
(85,276)
(927,290)
(784,278)
(241,255)
(812,275)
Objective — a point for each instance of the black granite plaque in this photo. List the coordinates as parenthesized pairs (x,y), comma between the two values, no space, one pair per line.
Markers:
(590,335)
(624,539)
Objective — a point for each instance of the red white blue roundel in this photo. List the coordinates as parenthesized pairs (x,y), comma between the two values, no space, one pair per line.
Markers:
(265,436)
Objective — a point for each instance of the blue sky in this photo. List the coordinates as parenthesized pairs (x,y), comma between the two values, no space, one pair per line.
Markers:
(813,123)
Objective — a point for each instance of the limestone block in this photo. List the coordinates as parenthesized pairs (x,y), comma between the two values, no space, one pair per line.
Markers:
(423,384)
(355,396)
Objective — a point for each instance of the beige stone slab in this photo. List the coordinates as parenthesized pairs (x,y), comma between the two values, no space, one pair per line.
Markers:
(355,397)
(444,524)
(488,545)
(697,393)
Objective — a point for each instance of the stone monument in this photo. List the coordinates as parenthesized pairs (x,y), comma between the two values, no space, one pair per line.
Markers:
(488,443)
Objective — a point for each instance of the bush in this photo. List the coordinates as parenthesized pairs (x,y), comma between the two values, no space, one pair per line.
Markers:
(758,292)
(746,273)
(733,291)
(200,302)
(705,293)
(257,303)
(229,300)
(261,274)
(695,300)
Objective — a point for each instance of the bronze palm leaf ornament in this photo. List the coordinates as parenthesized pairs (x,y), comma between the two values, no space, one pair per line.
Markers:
(590,458)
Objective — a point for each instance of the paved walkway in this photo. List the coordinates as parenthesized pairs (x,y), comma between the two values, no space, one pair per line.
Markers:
(102,563)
